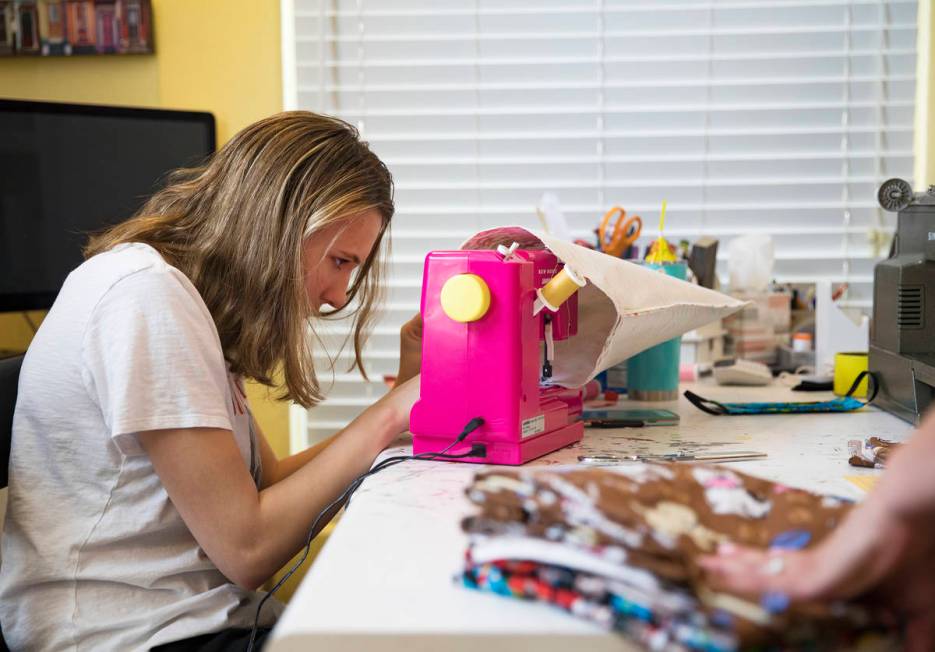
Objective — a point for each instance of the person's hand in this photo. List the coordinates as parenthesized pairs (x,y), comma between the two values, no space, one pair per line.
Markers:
(872,553)
(410,349)
(398,403)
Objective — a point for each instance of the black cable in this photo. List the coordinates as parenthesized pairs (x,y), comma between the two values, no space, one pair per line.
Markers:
(32,325)
(470,427)
(390,461)
(477,450)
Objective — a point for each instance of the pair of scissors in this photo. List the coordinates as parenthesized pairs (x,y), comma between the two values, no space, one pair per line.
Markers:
(625,232)
(680,456)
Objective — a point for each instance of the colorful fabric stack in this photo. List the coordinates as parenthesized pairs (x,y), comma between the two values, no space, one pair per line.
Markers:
(620,546)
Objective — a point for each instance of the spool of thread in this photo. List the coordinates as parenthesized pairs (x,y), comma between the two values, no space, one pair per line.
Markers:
(847,366)
(561,286)
(591,390)
(690,372)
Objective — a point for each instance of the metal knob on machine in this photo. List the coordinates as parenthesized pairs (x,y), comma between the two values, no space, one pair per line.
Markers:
(895,195)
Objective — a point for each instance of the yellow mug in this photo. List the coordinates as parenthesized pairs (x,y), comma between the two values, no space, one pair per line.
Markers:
(847,366)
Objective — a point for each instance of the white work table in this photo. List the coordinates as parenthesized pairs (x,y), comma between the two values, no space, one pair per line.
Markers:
(384,580)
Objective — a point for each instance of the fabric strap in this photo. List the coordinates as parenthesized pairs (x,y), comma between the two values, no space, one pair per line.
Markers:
(846,403)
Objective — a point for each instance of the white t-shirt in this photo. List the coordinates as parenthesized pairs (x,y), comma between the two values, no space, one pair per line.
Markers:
(95,555)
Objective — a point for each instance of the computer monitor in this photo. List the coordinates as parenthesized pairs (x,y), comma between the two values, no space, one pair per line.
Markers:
(67,170)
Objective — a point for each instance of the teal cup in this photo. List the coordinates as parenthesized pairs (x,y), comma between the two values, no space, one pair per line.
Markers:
(653,375)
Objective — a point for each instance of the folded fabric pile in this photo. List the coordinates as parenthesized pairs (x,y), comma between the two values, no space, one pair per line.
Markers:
(620,546)
(871,453)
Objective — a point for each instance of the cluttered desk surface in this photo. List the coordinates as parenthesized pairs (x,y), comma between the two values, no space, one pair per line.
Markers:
(385,579)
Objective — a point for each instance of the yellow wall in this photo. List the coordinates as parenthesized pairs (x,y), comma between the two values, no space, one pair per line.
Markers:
(221,56)
(129,80)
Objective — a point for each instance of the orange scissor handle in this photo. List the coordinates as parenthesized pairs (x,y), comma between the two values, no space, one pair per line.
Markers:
(624,233)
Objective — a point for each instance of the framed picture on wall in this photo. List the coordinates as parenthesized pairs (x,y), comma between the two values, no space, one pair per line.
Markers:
(75,27)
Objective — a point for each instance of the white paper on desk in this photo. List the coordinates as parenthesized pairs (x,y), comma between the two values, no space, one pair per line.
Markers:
(624,309)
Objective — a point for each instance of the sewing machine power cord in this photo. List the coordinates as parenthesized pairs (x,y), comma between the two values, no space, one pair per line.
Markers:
(477,450)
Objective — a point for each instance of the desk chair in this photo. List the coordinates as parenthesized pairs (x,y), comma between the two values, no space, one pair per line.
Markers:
(9,381)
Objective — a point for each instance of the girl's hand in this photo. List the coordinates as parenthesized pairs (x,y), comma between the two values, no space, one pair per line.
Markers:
(397,404)
(872,553)
(410,349)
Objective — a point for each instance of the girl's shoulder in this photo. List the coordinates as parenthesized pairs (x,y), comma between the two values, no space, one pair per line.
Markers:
(133,278)
(123,260)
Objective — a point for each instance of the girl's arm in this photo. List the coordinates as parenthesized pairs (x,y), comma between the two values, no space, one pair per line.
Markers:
(250,534)
(410,361)
(275,469)
(907,487)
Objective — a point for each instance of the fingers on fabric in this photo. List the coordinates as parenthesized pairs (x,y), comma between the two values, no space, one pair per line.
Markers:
(758,572)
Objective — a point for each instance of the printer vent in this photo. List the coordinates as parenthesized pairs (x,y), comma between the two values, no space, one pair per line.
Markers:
(910,309)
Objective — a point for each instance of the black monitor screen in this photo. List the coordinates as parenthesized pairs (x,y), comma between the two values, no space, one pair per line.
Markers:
(70,170)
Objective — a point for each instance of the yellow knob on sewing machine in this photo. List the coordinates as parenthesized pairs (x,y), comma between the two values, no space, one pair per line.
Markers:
(465,297)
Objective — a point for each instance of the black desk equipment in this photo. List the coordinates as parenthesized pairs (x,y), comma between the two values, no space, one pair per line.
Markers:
(67,170)
(902,333)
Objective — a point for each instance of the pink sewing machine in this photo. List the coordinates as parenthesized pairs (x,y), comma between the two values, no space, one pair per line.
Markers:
(490,319)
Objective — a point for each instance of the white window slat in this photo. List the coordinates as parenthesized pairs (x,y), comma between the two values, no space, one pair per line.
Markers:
(833,155)
(663,33)
(773,56)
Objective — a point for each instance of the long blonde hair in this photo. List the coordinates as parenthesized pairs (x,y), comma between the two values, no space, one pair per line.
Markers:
(235,227)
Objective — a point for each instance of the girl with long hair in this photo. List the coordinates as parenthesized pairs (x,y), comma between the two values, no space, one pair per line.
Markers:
(145,505)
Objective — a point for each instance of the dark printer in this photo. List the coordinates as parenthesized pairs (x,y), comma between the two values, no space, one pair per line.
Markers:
(902,334)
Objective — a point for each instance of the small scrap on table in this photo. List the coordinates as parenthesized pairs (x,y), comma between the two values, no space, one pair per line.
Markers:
(871,453)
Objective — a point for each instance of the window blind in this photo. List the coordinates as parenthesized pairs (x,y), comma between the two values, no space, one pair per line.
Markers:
(748,116)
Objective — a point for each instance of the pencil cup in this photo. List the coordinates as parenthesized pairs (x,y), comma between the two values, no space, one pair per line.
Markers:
(847,366)
(653,375)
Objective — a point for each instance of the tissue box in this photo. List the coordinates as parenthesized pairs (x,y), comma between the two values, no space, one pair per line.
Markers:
(756,331)
(704,344)
(772,308)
